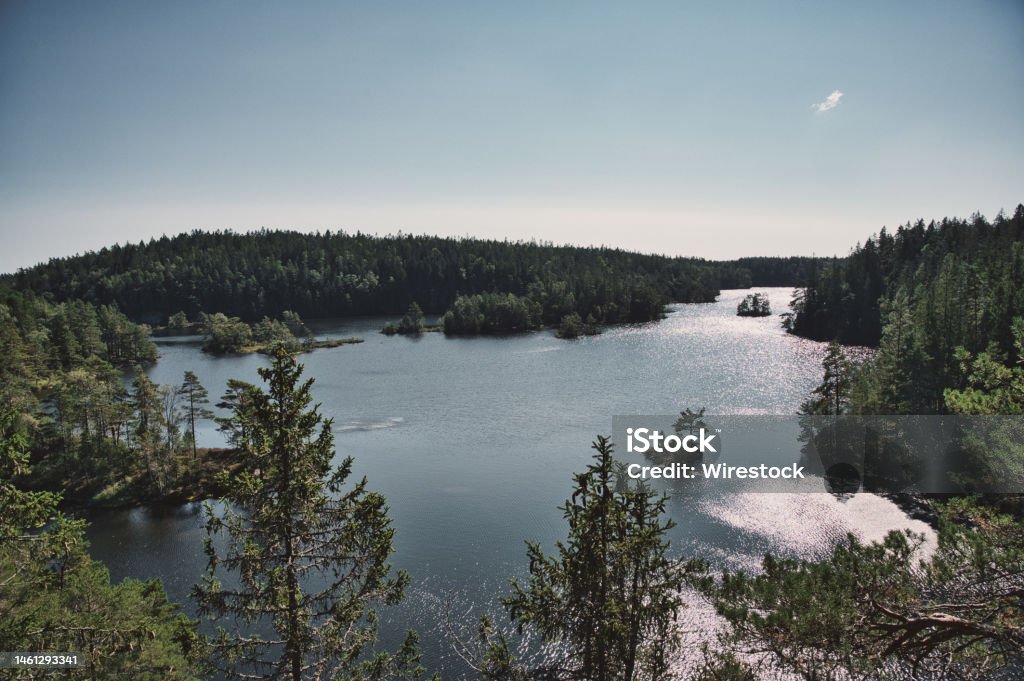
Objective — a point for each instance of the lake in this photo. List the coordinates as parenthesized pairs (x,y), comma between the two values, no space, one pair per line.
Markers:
(474,442)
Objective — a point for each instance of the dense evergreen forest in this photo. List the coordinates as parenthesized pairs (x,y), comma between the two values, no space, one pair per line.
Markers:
(511,285)
(95,427)
(928,296)
(336,274)
(769,271)
(967,275)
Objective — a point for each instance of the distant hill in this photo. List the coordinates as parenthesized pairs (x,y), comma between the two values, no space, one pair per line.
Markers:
(335,274)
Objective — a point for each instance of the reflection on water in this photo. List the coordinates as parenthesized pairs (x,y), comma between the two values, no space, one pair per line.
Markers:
(390,422)
(474,442)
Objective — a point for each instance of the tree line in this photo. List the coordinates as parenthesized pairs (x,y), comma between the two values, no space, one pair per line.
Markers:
(334,274)
(966,271)
(927,297)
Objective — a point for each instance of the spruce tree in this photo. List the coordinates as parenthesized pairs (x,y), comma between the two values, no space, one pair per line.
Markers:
(235,400)
(609,596)
(833,395)
(303,561)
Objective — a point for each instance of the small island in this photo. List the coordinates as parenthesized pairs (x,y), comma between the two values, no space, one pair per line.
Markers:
(754,305)
(413,323)
(224,335)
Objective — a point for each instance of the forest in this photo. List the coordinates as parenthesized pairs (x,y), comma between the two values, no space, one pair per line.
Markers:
(80,421)
(334,274)
(930,297)
(92,434)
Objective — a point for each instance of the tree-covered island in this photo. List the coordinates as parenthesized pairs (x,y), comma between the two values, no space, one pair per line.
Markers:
(754,305)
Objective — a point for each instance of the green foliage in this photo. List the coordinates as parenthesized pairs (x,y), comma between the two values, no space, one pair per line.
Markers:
(53,597)
(195,398)
(126,343)
(236,399)
(288,523)
(722,666)
(20,511)
(230,335)
(832,396)
(883,610)
(573,326)
(87,435)
(491,313)
(178,321)
(609,596)
(920,295)
(295,324)
(412,321)
(992,448)
(929,297)
(272,332)
(126,630)
(993,387)
(966,275)
(154,431)
(754,305)
(39,337)
(224,335)
(876,611)
(336,274)
(901,371)
(768,271)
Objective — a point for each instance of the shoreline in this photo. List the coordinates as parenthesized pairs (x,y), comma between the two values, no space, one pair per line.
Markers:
(201,481)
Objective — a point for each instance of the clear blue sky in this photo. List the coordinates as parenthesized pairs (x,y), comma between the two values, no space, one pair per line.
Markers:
(679,127)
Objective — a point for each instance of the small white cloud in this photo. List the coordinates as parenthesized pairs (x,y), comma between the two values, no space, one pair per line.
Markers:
(831,102)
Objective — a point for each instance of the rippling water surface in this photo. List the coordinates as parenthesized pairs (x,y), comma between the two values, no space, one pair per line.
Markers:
(474,441)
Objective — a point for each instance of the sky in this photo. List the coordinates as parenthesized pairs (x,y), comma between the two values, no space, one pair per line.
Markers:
(709,129)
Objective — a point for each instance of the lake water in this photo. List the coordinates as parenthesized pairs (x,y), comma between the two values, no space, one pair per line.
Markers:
(474,442)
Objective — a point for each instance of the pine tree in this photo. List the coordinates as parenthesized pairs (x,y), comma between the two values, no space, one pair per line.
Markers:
(901,360)
(994,387)
(610,596)
(884,610)
(303,557)
(196,398)
(236,400)
(54,597)
(833,395)
(149,427)
(412,322)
